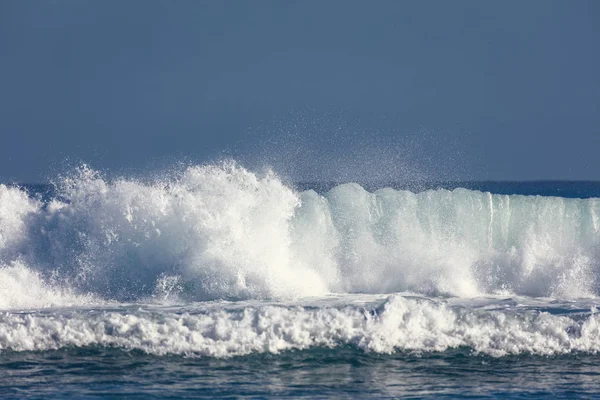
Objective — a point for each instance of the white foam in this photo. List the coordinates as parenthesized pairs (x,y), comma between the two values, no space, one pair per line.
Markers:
(15,208)
(23,288)
(402,324)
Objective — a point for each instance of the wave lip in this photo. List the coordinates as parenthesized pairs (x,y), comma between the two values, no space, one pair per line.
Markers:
(223,232)
(400,324)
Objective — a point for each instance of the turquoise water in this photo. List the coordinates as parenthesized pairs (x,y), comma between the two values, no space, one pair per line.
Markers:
(217,281)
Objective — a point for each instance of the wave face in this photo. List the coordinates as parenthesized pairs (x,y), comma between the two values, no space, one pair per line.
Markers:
(222,232)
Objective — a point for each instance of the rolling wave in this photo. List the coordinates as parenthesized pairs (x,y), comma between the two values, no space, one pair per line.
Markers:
(223,232)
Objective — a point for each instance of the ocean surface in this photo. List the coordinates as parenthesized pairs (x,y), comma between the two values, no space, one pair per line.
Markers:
(218,281)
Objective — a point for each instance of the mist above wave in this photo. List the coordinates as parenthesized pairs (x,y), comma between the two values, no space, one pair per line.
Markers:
(221,231)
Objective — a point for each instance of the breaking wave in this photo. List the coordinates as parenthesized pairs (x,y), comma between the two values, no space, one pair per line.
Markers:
(223,232)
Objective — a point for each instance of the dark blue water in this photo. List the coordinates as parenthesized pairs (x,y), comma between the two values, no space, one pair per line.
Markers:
(94,305)
(344,373)
(566,189)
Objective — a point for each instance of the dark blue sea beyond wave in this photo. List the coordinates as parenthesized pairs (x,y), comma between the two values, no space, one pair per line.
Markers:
(566,189)
(221,282)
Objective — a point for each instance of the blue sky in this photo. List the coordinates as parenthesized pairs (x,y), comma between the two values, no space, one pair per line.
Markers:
(345,90)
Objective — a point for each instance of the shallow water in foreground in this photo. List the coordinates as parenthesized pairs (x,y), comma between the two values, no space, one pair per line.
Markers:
(333,373)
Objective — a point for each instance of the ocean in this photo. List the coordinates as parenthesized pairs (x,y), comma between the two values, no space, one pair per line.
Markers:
(216,281)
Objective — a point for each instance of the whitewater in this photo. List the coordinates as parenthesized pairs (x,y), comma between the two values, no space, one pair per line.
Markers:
(218,261)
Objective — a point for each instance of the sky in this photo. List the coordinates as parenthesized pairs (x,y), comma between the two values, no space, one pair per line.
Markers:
(319,90)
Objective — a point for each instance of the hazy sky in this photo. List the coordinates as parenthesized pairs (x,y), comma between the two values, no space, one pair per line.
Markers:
(465,89)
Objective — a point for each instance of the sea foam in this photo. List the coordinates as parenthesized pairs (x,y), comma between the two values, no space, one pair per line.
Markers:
(399,324)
